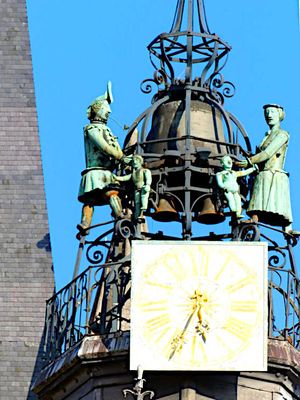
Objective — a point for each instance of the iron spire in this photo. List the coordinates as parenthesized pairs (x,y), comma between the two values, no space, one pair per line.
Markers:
(189,52)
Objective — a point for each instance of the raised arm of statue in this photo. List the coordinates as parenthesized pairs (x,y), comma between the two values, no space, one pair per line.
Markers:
(124,178)
(96,136)
(246,172)
(281,138)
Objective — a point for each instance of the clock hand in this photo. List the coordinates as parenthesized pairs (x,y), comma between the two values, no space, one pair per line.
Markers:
(199,314)
(178,341)
(202,327)
(199,299)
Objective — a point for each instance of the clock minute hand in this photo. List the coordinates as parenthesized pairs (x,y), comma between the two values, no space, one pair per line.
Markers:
(178,340)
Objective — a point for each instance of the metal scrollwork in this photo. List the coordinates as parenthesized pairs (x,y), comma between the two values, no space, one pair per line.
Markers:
(94,256)
(159,78)
(96,249)
(229,91)
(247,233)
(147,85)
(228,88)
(125,228)
(277,260)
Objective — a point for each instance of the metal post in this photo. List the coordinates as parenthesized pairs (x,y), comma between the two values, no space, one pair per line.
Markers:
(79,255)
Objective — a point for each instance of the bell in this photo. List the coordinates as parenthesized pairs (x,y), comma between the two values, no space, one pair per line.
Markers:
(169,123)
(208,214)
(165,211)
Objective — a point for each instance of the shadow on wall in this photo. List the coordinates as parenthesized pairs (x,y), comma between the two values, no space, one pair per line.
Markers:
(44,243)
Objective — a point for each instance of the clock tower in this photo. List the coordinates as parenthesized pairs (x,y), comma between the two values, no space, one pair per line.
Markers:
(199,314)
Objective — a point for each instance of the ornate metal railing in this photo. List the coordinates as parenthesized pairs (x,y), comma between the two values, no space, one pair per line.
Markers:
(97,300)
(73,313)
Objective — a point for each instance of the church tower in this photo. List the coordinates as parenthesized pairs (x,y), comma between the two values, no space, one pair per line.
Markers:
(26,276)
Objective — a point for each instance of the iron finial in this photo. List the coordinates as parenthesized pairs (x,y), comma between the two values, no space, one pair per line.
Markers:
(138,387)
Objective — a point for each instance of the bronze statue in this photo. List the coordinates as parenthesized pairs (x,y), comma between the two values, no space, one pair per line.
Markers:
(102,154)
(270,199)
(141,178)
(227,181)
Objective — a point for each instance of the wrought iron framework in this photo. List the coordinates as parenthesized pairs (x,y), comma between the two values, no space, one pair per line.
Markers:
(191,45)
(203,56)
(96,300)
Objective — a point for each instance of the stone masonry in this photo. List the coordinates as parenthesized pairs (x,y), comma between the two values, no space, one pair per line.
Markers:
(26,276)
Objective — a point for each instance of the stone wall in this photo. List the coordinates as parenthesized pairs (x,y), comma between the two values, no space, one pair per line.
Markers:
(26,276)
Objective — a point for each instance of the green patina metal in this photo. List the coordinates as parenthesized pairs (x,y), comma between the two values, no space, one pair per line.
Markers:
(270,198)
(227,181)
(142,179)
(102,155)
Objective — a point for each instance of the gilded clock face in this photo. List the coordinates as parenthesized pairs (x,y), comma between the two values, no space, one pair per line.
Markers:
(198,306)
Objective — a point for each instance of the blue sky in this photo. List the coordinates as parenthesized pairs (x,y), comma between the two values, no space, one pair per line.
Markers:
(78,46)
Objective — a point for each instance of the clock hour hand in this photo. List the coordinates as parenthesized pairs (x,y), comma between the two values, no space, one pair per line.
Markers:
(201,327)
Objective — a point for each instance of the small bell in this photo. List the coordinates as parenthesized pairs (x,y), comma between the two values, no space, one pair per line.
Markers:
(165,211)
(209,214)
